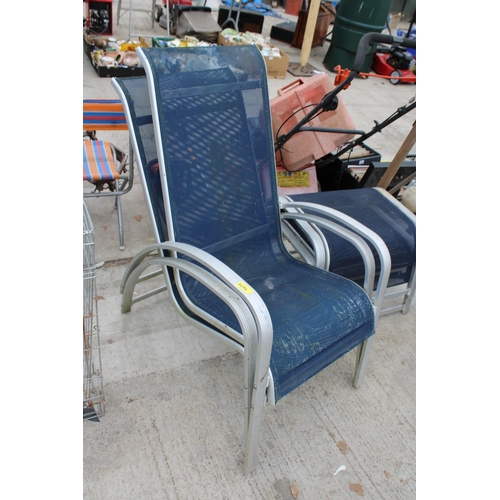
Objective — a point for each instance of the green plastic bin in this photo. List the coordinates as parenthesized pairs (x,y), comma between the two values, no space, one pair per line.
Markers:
(354,19)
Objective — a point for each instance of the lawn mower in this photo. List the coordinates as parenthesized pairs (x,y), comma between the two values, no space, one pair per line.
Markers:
(174,9)
(397,63)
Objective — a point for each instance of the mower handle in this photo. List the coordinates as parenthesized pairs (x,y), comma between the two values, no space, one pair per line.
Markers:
(328,100)
(370,38)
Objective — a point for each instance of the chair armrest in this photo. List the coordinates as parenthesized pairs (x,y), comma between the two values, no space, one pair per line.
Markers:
(225,274)
(247,305)
(329,214)
(353,238)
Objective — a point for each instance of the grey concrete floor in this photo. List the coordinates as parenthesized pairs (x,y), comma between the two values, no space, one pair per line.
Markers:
(173,422)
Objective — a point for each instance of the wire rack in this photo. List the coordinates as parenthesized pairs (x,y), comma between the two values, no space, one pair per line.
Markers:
(93,395)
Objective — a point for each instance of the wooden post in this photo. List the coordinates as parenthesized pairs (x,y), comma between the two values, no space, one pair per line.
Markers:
(399,158)
(312,18)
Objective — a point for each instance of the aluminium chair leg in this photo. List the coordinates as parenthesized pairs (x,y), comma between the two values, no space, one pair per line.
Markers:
(255,415)
(411,293)
(120,222)
(362,356)
(259,357)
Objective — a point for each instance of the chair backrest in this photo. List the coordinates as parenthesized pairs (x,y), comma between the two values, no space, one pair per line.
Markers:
(218,158)
(103,114)
(216,162)
(214,131)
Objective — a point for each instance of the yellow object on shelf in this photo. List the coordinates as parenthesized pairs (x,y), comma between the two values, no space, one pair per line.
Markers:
(131,46)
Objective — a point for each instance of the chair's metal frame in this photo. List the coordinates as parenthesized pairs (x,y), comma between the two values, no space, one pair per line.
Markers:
(256,338)
(229,19)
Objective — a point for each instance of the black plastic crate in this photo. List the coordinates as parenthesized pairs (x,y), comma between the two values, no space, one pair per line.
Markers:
(103,71)
(376,171)
(334,174)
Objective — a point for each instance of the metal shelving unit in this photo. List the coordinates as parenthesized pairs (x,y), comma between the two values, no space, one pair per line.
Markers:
(93,394)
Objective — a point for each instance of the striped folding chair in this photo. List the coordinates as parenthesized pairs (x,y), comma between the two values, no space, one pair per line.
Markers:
(105,166)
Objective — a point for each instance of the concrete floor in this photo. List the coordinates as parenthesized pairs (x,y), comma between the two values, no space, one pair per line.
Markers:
(173,422)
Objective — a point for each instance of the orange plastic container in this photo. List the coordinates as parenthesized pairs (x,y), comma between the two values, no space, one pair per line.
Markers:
(293,102)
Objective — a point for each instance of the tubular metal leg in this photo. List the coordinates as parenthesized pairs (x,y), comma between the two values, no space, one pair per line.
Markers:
(229,19)
(255,415)
(119,8)
(363,354)
(120,222)
(412,290)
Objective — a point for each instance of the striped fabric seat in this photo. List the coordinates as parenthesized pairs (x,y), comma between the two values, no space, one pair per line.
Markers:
(99,162)
(103,114)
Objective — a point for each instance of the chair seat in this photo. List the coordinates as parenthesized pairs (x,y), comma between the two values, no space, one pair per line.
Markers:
(317,316)
(307,339)
(99,162)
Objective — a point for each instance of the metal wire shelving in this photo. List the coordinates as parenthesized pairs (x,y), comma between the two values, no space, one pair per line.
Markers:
(93,394)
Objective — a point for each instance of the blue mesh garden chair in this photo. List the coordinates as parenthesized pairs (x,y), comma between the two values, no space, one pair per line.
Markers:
(203,144)
(376,209)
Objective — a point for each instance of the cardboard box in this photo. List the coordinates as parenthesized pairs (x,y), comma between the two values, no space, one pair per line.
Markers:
(276,66)
(222,40)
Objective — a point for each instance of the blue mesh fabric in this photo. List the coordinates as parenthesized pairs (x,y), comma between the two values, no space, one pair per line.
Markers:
(375,211)
(138,104)
(219,164)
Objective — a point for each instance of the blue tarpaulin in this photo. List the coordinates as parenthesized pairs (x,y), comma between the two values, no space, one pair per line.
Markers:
(256,6)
